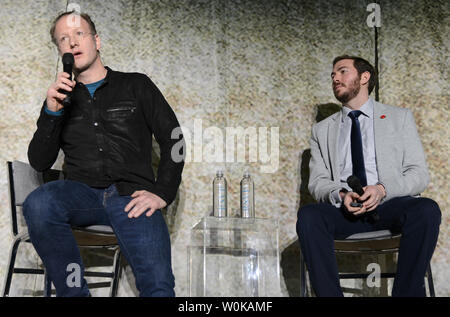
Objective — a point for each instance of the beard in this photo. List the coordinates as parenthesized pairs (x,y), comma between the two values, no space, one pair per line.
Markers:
(352,92)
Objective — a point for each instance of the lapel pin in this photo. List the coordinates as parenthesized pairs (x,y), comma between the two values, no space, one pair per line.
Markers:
(382,116)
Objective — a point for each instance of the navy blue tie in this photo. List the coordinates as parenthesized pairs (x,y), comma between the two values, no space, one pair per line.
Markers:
(359,170)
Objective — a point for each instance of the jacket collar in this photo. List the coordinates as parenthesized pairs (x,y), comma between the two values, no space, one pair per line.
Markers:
(109,74)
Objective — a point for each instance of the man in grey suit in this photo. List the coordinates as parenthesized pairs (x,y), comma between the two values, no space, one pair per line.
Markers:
(380,145)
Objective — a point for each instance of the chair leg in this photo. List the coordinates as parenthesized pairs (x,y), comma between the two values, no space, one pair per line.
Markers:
(116,270)
(47,285)
(303,283)
(430,281)
(11,262)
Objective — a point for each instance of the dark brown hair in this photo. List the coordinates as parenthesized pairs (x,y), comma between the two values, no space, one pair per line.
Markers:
(361,66)
(85,16)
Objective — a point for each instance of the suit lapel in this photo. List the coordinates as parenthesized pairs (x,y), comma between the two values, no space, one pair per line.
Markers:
(380,122)
(333,138)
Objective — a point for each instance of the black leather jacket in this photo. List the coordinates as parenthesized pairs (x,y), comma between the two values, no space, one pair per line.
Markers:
(108,138)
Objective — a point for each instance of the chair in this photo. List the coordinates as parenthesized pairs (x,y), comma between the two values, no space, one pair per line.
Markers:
(23,179)
(374,242)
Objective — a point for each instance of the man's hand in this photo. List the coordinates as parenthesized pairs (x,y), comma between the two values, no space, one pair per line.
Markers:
(54,97)
(142,201)
(373,194)
(349,198)
(370,199)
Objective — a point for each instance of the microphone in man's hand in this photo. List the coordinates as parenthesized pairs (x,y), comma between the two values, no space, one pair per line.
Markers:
(356,186)
(67,61)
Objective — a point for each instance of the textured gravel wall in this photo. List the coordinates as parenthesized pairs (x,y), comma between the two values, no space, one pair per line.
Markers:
(229,64)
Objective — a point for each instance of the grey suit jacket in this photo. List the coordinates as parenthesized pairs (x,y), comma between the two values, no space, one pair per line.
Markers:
(400,159)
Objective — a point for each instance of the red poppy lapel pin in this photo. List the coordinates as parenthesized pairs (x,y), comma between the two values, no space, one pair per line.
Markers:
(382,116)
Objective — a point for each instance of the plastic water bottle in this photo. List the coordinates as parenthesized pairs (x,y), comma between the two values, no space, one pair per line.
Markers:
(247,197)
(220,195)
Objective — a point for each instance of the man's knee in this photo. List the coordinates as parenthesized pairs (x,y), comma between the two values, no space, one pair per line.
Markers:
(34,203)
(429,211)
(422,212)
(39,206)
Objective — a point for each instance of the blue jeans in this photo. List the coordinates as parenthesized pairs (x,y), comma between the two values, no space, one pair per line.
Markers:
(53,208)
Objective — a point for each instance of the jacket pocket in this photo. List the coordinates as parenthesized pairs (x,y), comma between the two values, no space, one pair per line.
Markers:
(120,110)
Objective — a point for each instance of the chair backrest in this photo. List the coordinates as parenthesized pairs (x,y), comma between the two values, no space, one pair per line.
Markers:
(23,179)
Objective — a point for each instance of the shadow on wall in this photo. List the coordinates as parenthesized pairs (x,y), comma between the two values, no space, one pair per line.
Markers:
(290,256)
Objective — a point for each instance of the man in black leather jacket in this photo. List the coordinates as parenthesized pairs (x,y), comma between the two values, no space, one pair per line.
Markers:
(106,135)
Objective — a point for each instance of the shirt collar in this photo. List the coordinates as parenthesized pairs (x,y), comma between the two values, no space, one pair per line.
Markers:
(366,109)
(97,83)
(109,73)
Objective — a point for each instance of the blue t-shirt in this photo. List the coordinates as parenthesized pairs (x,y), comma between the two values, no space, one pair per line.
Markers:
(91,87)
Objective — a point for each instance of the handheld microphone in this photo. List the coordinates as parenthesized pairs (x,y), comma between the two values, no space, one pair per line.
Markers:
(356,186)
(68,61)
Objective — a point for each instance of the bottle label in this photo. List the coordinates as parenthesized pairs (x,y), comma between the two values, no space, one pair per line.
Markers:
(245,200)
(221,198)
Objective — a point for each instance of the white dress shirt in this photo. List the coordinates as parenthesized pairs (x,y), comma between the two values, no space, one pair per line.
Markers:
(345,152)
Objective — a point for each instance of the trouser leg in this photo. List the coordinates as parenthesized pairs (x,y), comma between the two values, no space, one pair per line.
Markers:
(49,212)
(145,243)
(317,227)
(418,220)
